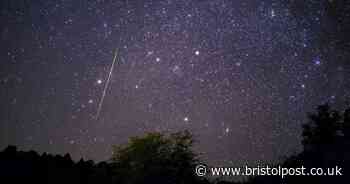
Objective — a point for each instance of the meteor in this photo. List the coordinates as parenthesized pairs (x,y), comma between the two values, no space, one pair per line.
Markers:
(106,85)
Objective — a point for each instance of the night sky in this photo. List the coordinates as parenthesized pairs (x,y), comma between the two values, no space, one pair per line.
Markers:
(240,75)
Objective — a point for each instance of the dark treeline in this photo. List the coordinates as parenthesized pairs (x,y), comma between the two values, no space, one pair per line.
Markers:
(159,158)
(30,167)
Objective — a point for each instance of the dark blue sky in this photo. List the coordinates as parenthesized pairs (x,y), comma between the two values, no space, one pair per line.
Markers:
(240,75)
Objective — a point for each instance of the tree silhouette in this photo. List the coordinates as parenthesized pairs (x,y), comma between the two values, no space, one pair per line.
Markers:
(322,128)
(156,158)
(30,167)
(346,124)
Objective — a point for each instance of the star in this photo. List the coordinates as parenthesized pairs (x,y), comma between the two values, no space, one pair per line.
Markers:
(273,13)
(197,52)
(317,62)
(186,119)
(99,81)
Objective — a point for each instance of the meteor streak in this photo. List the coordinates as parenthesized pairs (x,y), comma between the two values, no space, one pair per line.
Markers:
(106,85)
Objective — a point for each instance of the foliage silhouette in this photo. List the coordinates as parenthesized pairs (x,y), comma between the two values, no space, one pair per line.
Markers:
(30,167)
(156,158)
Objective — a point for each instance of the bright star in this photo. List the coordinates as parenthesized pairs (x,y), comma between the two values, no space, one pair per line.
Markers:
(197,52)
(99,81)
(273,13)
(316,60)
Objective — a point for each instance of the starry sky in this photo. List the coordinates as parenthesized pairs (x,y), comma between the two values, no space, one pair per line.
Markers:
(239,74)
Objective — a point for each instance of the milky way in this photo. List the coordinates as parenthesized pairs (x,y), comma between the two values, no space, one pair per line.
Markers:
(240,75)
